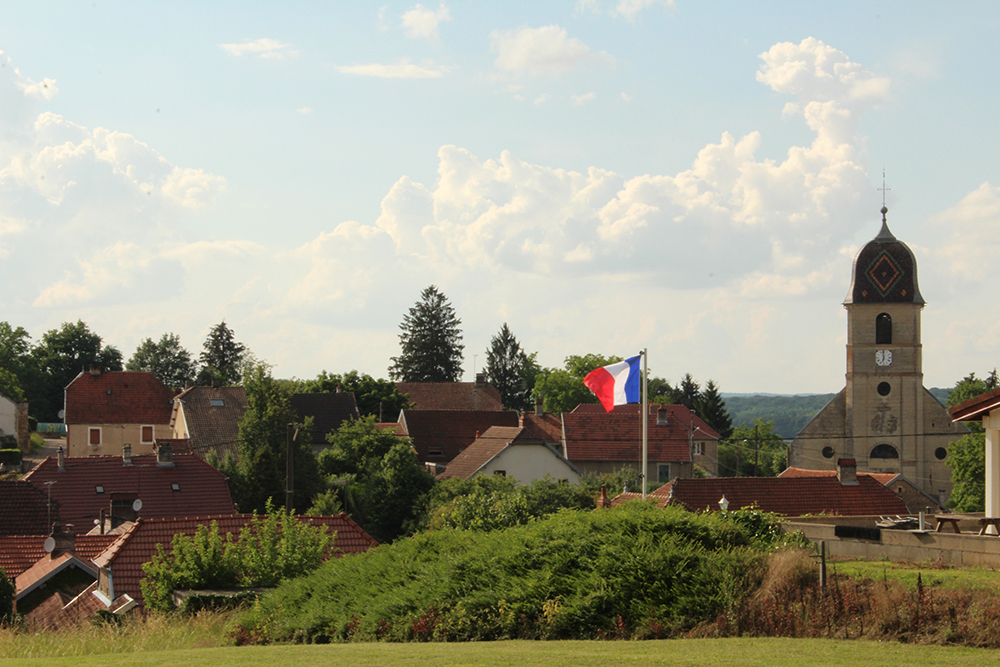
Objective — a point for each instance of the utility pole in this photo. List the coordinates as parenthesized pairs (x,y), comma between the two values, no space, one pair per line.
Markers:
(290,434)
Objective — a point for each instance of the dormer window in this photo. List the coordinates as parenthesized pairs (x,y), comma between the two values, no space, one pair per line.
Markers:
(217,402)
(175,487)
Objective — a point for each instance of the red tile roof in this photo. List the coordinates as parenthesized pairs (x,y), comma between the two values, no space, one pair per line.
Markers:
(118,397)
(200,488)
(449,431)
(130,550)
(20,552)
(883,478)
(788,496)
(595,435)
(212,416)
(547,426)
(974,408)
(24,509)
(451,395)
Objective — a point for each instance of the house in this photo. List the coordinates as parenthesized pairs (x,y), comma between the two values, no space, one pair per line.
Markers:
(107,410)
(26,509)
(14,424)
(88,489)
(512,451)
(985,408)
(438,436)
(913,496)
(328,410)
(209,419)
(120,565)
(479,396)
(845,494)
(602,442)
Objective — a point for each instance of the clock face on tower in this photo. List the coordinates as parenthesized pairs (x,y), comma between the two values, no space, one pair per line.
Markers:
(883,357)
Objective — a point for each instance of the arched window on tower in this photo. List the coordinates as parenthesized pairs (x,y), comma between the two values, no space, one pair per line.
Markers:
(883,329)
(884,452)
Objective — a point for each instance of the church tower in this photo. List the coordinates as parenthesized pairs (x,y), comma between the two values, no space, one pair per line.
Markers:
(883,418)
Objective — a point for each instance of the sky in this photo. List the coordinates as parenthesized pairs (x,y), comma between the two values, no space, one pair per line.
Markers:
(691,178)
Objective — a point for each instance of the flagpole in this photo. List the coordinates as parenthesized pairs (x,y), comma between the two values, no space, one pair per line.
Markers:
(645,422)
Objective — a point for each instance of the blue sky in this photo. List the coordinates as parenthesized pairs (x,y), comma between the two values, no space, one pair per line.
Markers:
(692,178)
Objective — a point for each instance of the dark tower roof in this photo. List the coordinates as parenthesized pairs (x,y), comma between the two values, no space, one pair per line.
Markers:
(885,271)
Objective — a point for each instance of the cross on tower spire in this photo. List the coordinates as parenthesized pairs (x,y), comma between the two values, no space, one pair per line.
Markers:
(883,189)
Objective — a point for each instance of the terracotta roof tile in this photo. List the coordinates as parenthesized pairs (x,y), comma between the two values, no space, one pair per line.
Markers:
(118,397)
(24,509)
(212,416)
(787,496)
(449,431)
(451,396)
(485,448)
(190,488)
(126,555)
(20,552)
(595,435)
(547,426)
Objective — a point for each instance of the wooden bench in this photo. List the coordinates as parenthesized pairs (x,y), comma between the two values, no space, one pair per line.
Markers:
(953,519)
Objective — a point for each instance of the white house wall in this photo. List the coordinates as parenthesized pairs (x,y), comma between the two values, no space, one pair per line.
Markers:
(526,463)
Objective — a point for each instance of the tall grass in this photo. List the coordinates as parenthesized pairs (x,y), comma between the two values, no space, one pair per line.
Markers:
(137,633)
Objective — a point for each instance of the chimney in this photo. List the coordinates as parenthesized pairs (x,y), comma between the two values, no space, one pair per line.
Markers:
(122,509)
(604,501)
(661,416)
(539,407)
(480,380)
(63,538)
(847,472)
(95,371)
(520,420)
(127,455)
(61,459)
(164,456)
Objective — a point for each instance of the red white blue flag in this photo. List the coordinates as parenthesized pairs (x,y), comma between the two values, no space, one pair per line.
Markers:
(616,384)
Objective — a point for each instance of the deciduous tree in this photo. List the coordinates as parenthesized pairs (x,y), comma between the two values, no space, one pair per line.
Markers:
(430,342)
(967,460)
(753,451)
(375,397)
(166,359)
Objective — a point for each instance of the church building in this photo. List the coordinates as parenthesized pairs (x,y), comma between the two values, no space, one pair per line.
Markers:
(884,418)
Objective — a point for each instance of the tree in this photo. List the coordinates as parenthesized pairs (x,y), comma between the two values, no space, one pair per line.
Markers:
(258,476)
(969,387)
(221,358)
(431,342)
(507,369)
(563,390)
(7,592)
(967,460)
(755,451)
(690,393)
(713,411)
(384,485)
(16,370)
(375,397)
(166,359)
(60,356)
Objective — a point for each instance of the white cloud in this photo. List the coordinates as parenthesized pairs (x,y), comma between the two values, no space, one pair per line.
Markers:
(261,48)
(545,50)
(580,100)
(422,23)
(383,25)
(542,99)
(627,9)
(404,69)
(972,251)
(305,111)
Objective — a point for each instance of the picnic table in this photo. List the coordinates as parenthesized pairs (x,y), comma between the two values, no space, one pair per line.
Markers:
(953,519)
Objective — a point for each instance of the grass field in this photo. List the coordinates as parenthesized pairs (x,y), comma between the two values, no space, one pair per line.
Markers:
(687,652)
(931,576)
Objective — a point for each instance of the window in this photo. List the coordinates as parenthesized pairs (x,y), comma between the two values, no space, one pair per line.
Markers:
(99,488)
(940,453)
(883,329)
(884,388)
(175,487)
(435,452)
(500,473)
(94,435)
(828,452)
(699,449)
(663,473)
(217,402)
(147,435)
(884,452)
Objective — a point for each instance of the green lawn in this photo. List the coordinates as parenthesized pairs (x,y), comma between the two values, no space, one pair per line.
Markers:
(693,652)
(931,576)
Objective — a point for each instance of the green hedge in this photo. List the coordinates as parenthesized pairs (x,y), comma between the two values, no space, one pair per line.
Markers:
(632,571)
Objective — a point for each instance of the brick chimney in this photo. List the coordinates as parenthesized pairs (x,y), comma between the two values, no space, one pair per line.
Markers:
(65,540)
(661,416)
(480,380)
(164,456)
(61,459)
(539,407)
(127,455)
(847,472)
(95,371)
(604,501)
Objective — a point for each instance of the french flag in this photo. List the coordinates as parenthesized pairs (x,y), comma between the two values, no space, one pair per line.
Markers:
(616,384)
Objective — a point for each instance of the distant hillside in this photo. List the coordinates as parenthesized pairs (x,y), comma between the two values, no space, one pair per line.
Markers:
(789,413)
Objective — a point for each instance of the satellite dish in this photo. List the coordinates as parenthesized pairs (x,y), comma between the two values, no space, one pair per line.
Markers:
(49,545)
(137,505)
(61,414)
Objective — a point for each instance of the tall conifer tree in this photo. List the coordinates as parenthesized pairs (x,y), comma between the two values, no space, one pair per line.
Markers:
(431,342)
